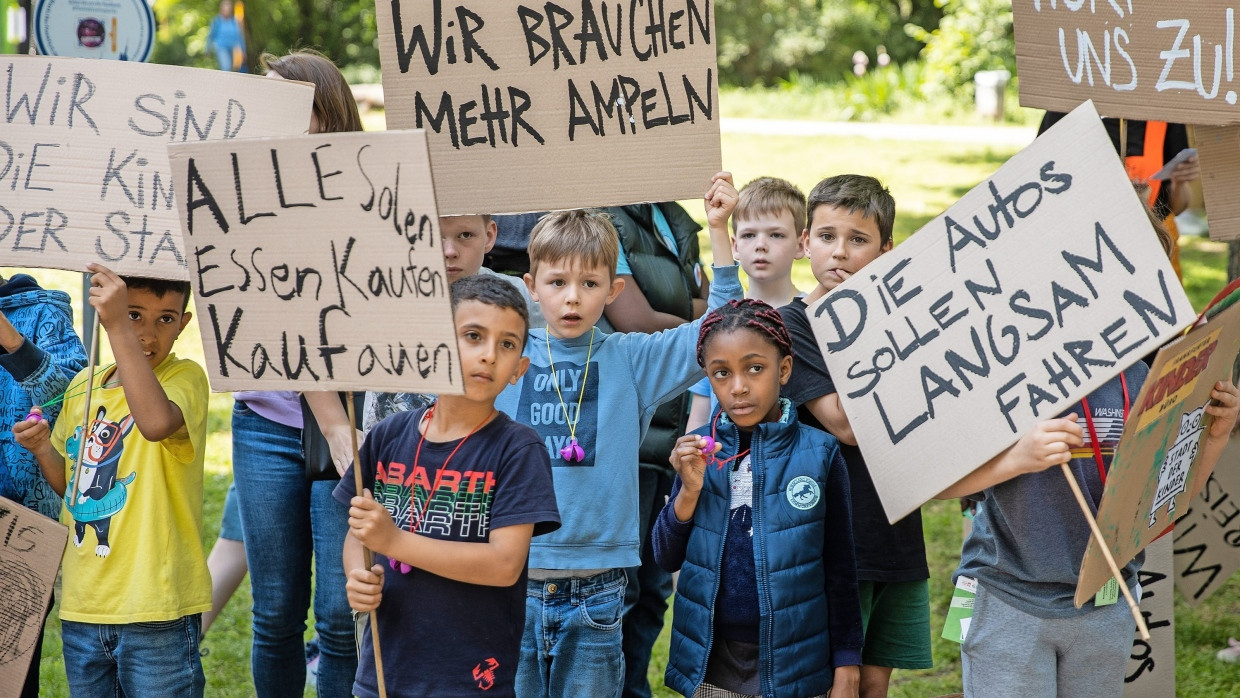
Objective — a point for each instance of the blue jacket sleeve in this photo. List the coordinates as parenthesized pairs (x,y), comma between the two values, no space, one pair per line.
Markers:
(664,364)
(840,562)
(46,362)
(670,537)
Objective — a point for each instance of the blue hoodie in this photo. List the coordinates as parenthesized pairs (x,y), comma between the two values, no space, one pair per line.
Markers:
(629,375)
(38,372)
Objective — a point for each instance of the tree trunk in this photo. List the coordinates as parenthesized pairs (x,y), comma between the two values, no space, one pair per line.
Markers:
(1233,259)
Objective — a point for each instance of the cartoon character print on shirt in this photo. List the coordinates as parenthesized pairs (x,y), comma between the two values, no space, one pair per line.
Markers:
(541,408)
(97,495)
(460,509)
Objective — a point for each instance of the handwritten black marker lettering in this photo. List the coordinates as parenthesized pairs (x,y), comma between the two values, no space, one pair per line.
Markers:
(1112,336)
(202,291)
(1079,350)
(469,24)
(241,215)
(53,222)
(275,166)
(320,176)
(1080,264)
(1018,303)
(962,366)
(1145,308)
(1191,568)
(35,164)
(1060,373)
(199,195)
(844,337)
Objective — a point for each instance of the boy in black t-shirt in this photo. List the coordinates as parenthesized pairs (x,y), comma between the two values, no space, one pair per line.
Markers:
(454,492)
(849,224)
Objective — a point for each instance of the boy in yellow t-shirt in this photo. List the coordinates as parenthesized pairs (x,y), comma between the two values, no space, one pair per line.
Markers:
(135,580)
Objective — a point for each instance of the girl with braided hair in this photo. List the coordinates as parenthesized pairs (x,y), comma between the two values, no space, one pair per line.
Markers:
(759,526)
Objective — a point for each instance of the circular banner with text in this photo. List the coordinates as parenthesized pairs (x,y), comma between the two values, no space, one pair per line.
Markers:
(117,29)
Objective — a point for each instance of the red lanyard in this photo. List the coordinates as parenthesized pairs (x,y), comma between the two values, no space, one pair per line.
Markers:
(710,458)
(1093,433)
(417,455)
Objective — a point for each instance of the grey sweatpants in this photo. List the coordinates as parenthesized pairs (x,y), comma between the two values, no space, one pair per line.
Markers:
(1008,652)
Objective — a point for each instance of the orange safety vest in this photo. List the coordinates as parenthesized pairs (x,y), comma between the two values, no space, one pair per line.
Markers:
(1142,167)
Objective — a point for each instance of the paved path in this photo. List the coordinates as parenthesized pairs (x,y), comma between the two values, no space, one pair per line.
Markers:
(1014,136)
(371,96)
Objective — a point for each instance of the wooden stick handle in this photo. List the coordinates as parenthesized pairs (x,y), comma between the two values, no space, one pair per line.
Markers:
(1106,552)
(367,558)
(86,421)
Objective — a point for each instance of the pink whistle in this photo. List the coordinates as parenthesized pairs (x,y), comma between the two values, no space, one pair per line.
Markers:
(573,453)
(398,565)
(709,448)
(36,413)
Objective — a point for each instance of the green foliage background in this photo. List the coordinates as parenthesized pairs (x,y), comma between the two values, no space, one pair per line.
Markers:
(760,42)
(344,30)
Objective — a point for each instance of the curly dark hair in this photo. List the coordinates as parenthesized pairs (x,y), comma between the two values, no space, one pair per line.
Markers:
(749,314)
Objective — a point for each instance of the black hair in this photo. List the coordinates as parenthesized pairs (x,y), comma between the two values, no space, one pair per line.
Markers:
(491,290)
(160,287)
(751,314)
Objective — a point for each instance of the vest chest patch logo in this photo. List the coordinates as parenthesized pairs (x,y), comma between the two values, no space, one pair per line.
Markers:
(803,492)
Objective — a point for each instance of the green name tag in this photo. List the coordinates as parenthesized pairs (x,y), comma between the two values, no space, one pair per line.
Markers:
(1108,594)
(960,611)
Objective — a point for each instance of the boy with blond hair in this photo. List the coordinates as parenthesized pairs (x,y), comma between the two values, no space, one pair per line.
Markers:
(766,240)
(589,395)
(849,224)
(135,581)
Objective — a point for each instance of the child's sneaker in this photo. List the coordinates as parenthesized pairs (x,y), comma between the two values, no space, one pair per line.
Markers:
(1230,653)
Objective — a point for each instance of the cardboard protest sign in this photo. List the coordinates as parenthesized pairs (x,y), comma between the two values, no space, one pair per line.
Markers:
(1151,666)
(1135,60)
(1219,148)
(1154,475)
(316,263)
(533,107)
(1207,536)
(30,550)
(1158,61)
(1038,286)
(84,173)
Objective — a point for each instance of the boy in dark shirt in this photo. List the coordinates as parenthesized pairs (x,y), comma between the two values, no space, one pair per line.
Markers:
(849,224)
(454,493)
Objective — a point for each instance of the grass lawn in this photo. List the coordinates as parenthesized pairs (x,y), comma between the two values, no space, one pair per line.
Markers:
(925,179)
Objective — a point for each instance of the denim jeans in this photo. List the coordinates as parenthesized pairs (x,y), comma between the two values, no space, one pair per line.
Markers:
(289,520)
(135,659)
(571,644)
(645,601)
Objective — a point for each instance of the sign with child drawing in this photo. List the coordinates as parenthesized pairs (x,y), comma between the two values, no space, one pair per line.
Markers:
(1153,478)
(30,553)
(534,107)
(1037,287)
(316,263)
(84,173)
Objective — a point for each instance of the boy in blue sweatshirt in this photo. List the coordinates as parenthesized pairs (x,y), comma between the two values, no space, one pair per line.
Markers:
(589,395)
